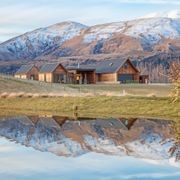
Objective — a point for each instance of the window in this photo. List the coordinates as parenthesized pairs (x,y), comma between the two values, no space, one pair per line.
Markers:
(126,66)
(41,77)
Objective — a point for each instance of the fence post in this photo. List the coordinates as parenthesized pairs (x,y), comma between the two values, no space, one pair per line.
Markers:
(75,112)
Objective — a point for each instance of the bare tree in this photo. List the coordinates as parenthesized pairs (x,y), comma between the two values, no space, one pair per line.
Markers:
(174,76)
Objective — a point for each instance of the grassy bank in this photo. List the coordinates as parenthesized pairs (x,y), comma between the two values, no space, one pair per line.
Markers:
(131,100)
(100,106)
(11,86)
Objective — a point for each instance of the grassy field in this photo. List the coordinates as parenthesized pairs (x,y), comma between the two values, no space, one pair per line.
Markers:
(130,100)
(159,90)
(11,85)
(100,106)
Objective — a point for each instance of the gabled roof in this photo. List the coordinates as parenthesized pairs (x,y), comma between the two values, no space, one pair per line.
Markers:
(111,66)
(25,69)
(49,67)
(82,67)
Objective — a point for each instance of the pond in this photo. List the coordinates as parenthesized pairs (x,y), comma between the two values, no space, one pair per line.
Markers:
(53,147)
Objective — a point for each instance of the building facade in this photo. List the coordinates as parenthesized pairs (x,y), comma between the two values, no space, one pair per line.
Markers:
(117,71)
(27,72)
(109,71)
(53,73)
(82,74)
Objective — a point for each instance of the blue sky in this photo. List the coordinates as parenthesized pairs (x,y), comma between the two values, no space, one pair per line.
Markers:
(20,16)
(21,162)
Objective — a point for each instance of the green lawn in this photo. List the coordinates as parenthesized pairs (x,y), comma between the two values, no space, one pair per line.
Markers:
(100,106)
(131,100)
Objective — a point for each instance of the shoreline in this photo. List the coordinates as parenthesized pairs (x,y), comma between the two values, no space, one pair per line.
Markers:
(94,106)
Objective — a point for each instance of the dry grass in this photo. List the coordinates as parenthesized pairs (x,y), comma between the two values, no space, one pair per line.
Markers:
(25,97)
(12,85)
(159,90)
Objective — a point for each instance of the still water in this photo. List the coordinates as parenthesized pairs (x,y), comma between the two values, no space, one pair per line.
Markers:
(34,147)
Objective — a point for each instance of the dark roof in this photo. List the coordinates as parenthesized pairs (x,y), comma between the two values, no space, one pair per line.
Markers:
(105,66)
(82,67)
(25,69)
(110,66)
(49,67)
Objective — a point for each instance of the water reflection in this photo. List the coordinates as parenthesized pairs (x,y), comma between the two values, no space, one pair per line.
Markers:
(34,147)
(63,136)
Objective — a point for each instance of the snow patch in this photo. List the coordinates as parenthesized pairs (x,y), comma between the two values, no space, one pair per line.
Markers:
(174,14)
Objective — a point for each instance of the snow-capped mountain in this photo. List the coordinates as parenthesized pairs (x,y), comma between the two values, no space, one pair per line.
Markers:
(168,14)
(141,37)
(148,31)
(32,44)
(141,138)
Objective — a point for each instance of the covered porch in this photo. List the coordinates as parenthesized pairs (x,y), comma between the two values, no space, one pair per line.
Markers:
(82,75)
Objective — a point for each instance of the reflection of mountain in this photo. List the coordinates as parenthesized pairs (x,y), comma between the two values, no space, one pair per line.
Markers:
(144,138)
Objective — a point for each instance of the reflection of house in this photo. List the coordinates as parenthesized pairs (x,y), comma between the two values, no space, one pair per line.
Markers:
(60,119)
(34,119)
(127,122)
(124,124)
(119,70)
(54,73)
(27,72)
(82,74)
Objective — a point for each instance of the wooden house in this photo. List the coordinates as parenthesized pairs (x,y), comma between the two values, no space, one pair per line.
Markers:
(117,71)
(82,74)
(27,72)
(53,73)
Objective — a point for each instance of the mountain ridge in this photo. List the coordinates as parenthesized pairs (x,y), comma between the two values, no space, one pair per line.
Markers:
(169,14)
(71,42)
(145,34)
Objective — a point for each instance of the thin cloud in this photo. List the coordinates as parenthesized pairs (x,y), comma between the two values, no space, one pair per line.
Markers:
(22,16)
(150,1)
(152,175)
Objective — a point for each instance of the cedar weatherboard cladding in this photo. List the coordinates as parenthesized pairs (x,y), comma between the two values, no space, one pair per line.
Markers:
(27,72)
(53,72)
(110,70)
